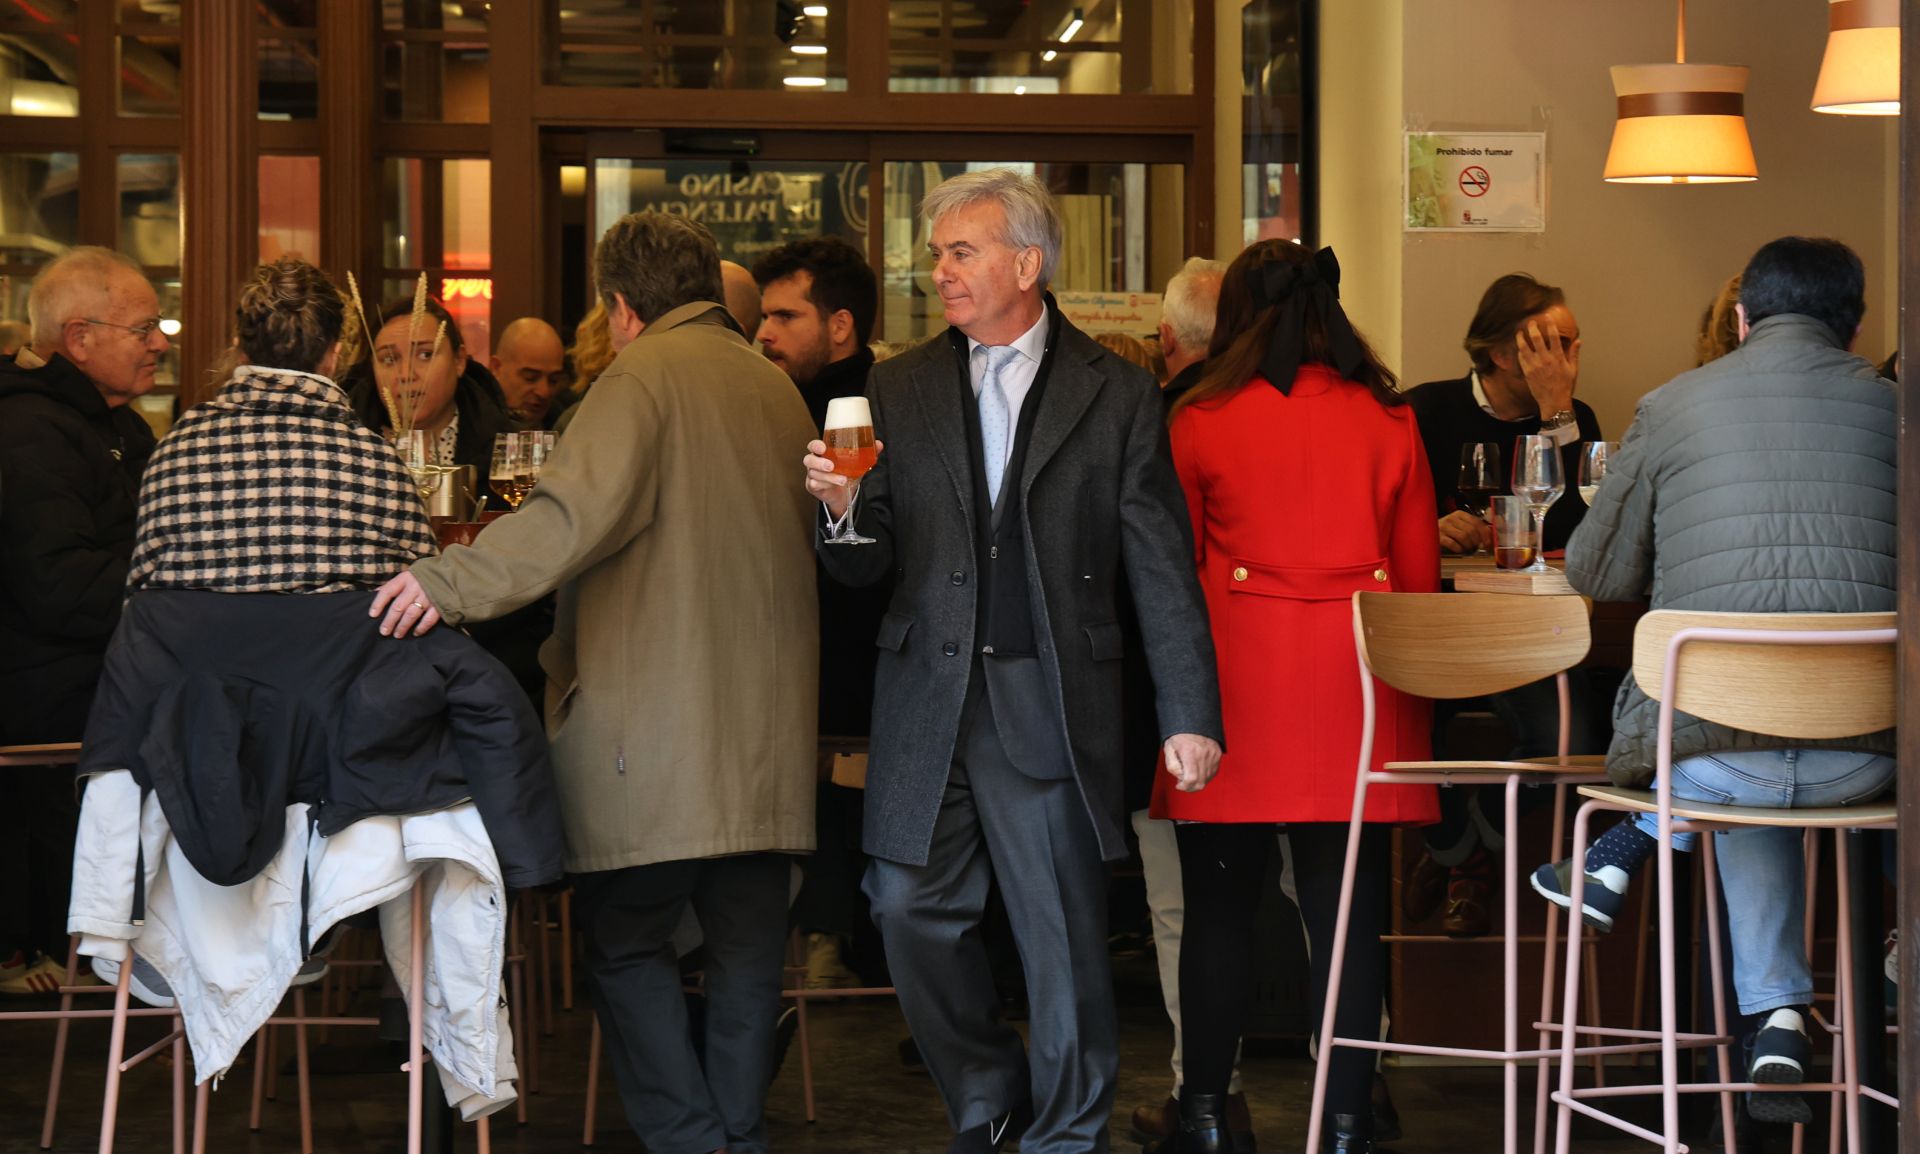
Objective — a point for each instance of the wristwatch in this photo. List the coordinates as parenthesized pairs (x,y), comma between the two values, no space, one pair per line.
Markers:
(1560,419)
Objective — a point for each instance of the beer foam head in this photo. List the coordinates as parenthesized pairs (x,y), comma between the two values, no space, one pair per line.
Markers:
(848,413)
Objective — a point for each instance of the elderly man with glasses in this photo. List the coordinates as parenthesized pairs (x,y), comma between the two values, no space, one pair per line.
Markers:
(71,452)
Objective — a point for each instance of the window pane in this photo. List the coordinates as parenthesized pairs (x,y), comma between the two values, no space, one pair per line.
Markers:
(751,207)
(1041,46)
(150,75)
(167,374)
(436,82)
(289,80)
(150,208)
(1273,184)
(437,214)
(38,74)
(1125,234)
(39,205)
(739,44)
(452,16)
(289,207)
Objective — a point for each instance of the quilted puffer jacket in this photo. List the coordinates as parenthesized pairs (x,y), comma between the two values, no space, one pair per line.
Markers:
(1763,482)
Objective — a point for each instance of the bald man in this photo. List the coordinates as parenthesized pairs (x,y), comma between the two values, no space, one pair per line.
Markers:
(531,364)
(743,296)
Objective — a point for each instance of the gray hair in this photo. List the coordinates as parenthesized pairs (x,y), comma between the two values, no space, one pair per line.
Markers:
(1033,219)
(658,261)
(75,283)
(1192,301)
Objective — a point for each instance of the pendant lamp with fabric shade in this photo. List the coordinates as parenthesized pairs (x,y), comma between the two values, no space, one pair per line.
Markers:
(1860,74)
(1680,123)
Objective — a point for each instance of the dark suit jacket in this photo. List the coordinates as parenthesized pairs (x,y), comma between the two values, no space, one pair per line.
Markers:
(1100,499)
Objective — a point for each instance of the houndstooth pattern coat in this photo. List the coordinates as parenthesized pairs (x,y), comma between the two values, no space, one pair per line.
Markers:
(274,487)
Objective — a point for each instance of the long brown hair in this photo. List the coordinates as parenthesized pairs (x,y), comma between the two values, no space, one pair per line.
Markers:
(1242,330)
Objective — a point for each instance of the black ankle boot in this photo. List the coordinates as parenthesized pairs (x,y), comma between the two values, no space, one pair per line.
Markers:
(1202,1129)
(1347,1137)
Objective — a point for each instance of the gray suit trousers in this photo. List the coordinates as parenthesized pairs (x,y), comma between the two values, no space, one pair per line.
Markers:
(674,1105)
(1035,837)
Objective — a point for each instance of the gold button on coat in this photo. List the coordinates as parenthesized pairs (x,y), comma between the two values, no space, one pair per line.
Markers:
(1379,574)
(1240,574)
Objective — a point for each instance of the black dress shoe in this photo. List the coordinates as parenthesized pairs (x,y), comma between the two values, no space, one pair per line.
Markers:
(1202,1129)
(1003,1133)
(1347,1137)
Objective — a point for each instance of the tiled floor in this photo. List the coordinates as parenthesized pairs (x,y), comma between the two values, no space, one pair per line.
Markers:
(867,1102)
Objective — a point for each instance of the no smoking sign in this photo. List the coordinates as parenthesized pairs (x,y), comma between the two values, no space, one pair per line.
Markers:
(1474,180)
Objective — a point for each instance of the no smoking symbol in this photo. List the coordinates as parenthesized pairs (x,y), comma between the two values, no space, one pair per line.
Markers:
(1474,180)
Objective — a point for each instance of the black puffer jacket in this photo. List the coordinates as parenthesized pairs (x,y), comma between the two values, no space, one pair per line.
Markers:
(69,479)
(232,706)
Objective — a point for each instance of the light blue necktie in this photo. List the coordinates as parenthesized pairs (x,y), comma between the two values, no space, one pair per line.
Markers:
(995,415)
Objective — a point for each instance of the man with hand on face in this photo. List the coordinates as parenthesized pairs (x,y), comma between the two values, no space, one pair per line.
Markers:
(1525,348)
(72,449)
(1024,468)
(531,365)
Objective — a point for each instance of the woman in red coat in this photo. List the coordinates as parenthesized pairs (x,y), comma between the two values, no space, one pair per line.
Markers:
(1306,482)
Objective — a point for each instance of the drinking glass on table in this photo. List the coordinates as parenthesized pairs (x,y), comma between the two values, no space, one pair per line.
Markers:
(1539,479)
(509,468)
(1512,532)
(1594,463)
(1479,476)
(851,448)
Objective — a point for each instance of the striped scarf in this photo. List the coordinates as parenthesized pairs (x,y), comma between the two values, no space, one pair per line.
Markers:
(273,487)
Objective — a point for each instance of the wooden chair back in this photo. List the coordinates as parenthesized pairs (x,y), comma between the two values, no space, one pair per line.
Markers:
(1450,645)
(1803,691)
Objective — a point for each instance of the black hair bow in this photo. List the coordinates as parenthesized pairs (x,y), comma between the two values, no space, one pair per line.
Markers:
(1293,288)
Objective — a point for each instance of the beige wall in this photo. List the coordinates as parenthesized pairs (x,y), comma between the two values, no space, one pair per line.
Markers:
(1639,263)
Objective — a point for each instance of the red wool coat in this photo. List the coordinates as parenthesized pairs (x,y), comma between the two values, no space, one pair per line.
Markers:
(1297,502)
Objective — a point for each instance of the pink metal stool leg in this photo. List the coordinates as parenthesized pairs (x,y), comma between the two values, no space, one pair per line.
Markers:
(1716,953)
(200,1117)
(302,1082)
(566,950)
(546,968)
(1570,990)
(180,1092)
(60,1031)
(116,1053)
(1843,963)
(806,1058)
(1337,953)
(260,1060)
(593,1081)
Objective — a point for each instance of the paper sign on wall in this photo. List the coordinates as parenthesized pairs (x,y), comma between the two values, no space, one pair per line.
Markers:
(1476,182)
(1135,314)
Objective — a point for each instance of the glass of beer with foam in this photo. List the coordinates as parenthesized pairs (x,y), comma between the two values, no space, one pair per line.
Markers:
(851,448)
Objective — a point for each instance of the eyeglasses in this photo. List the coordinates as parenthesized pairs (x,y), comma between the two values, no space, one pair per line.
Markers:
(144,332)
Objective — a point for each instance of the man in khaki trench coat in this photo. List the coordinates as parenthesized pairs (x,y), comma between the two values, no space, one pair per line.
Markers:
(681,675)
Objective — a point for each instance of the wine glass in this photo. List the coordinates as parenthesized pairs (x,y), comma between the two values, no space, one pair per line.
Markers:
(508,466)
(1479,476)
(1538,478)
(851,448)
(1594,463)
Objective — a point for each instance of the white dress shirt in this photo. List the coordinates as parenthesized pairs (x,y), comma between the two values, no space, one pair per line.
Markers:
(1563,436)
(1016,379)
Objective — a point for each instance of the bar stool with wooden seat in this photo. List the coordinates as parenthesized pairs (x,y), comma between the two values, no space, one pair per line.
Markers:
(1794,676)
(1456,645)
(67,754)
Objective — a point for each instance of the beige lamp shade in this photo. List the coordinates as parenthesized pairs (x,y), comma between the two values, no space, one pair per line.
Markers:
(1680,124)
(1860,74)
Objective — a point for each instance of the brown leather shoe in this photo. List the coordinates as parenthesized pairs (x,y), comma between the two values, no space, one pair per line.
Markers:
(1425,889)
(1150,1122)
(1470,898)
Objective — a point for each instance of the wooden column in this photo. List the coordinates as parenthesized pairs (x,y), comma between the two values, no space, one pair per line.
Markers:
(349,170)
(219,159)
(1908,247)
(519,186)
